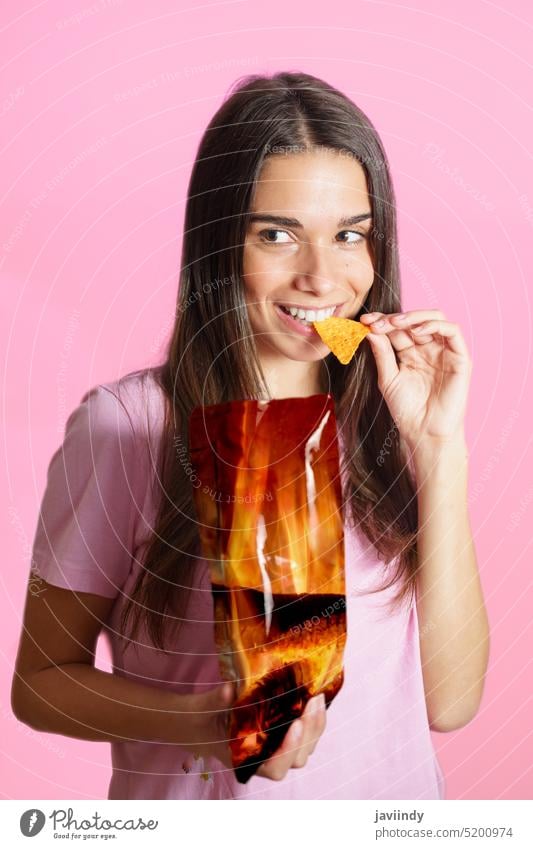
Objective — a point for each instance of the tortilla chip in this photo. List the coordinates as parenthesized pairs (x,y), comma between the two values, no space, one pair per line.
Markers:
(342,335)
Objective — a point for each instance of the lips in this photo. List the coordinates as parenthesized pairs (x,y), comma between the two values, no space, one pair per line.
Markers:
(295,325)
(307,314)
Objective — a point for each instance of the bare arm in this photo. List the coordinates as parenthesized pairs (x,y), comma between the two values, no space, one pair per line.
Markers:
(454,630)
(57,689)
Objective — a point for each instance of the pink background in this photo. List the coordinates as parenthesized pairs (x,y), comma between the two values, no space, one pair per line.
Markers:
(102,107)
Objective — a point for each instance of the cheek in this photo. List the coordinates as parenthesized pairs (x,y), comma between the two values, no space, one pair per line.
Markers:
(361,269)
(255,281)
(247,258)
(261,273)
(251,274)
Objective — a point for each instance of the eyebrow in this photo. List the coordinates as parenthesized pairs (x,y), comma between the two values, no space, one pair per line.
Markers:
(293,222)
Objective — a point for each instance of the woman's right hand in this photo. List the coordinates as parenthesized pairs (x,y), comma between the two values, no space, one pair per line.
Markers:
(209,713)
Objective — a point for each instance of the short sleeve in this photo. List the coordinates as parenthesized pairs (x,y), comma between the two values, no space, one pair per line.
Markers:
(84,539)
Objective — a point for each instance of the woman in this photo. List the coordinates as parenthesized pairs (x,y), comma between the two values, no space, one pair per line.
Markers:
(290,205)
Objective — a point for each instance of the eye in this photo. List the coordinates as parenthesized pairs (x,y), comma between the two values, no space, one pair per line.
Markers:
(271,232)
(359,237)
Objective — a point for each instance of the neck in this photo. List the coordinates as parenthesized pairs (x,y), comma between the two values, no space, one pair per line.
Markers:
(287,378)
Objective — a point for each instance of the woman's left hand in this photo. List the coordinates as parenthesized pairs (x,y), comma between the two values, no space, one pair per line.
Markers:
(423,376)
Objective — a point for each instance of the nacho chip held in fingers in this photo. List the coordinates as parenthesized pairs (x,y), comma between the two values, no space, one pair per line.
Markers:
(342,335)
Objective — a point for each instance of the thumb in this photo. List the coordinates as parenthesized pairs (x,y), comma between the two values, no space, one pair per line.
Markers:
(227,692)
(220,705)
(222,696)
(385,358)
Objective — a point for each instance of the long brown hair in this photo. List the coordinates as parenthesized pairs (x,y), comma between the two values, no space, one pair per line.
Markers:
(211,356)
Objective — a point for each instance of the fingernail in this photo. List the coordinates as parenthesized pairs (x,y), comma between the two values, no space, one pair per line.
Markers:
(297,729)
(400,316)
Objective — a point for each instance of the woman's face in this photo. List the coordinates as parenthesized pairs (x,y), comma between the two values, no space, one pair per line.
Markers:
(307,247)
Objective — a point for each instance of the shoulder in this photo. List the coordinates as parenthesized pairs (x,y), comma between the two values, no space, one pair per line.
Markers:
(98,486)
(131,407)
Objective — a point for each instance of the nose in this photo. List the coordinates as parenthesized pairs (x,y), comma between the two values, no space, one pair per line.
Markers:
(314,270)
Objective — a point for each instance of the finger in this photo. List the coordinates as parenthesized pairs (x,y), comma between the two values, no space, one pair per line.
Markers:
(385,358)
(398,325)
(420,339)
(413,339)
(312,704)
(409,317)
(402,319)
(295,750)
(446,330)
(222,698)
(314,719)
(278,764)
(315,724)
(400,339)
(220,702)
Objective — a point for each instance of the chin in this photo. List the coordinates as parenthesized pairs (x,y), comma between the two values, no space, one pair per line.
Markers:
(307,354)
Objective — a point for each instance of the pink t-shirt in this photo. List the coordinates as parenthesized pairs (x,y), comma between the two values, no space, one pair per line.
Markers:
(97,512)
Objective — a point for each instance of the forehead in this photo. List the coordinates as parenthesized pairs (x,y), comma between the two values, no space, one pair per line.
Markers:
(329,182)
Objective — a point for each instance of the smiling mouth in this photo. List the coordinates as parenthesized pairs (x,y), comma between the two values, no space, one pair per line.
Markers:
(306,317)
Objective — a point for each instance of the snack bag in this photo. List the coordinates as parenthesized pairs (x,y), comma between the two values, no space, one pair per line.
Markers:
(267,494)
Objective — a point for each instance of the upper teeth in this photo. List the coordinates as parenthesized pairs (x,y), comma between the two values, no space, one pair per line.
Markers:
(311,315)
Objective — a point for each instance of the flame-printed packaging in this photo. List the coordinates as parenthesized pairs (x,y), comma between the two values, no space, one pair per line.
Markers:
(267,494)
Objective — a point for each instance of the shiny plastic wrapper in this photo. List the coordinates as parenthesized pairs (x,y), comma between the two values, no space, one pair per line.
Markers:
(267,495)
